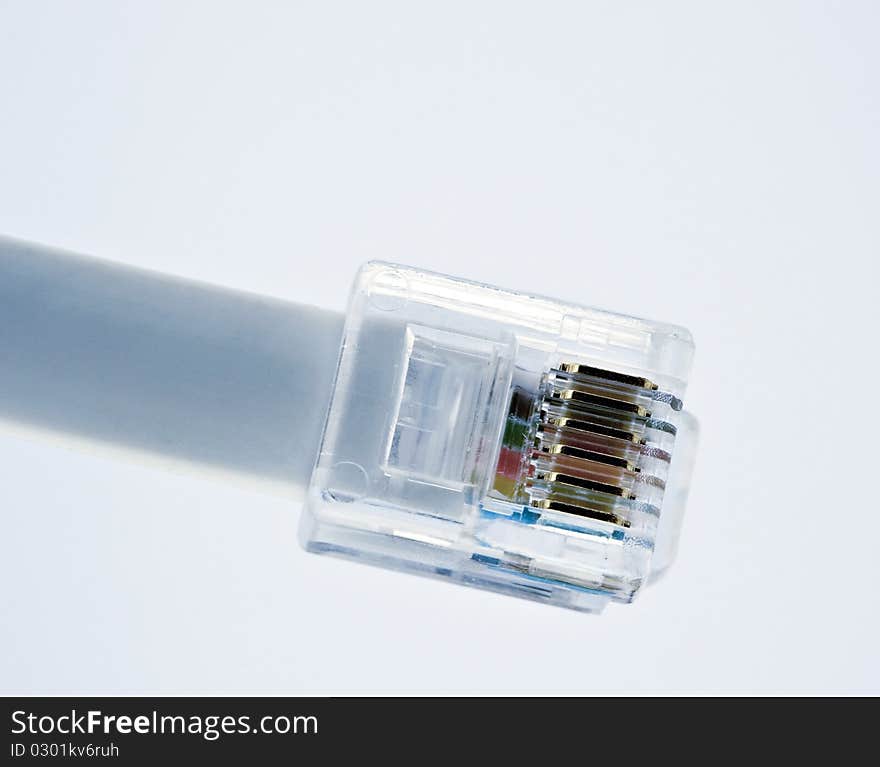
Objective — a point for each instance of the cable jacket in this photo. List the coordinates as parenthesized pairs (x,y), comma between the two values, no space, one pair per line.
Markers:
(188,372)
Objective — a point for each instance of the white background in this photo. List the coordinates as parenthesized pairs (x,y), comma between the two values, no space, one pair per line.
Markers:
(710,164)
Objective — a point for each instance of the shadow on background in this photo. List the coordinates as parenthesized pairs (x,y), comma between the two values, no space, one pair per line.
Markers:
(187,371)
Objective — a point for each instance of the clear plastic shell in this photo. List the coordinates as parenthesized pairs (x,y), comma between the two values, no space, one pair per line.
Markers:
(501,440)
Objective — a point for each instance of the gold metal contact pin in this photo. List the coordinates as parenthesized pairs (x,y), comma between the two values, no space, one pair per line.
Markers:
(587,455)
(580,511)
(608,375)
(595,428)
(572,395)
(589,484)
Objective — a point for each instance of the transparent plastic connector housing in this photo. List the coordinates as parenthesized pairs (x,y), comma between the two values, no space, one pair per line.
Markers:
(503,440)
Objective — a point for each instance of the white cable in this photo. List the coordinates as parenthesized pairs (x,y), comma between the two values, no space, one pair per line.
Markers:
(188,372)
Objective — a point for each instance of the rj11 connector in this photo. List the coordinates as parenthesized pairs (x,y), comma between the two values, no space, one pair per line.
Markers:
(496,439)
(503,441)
